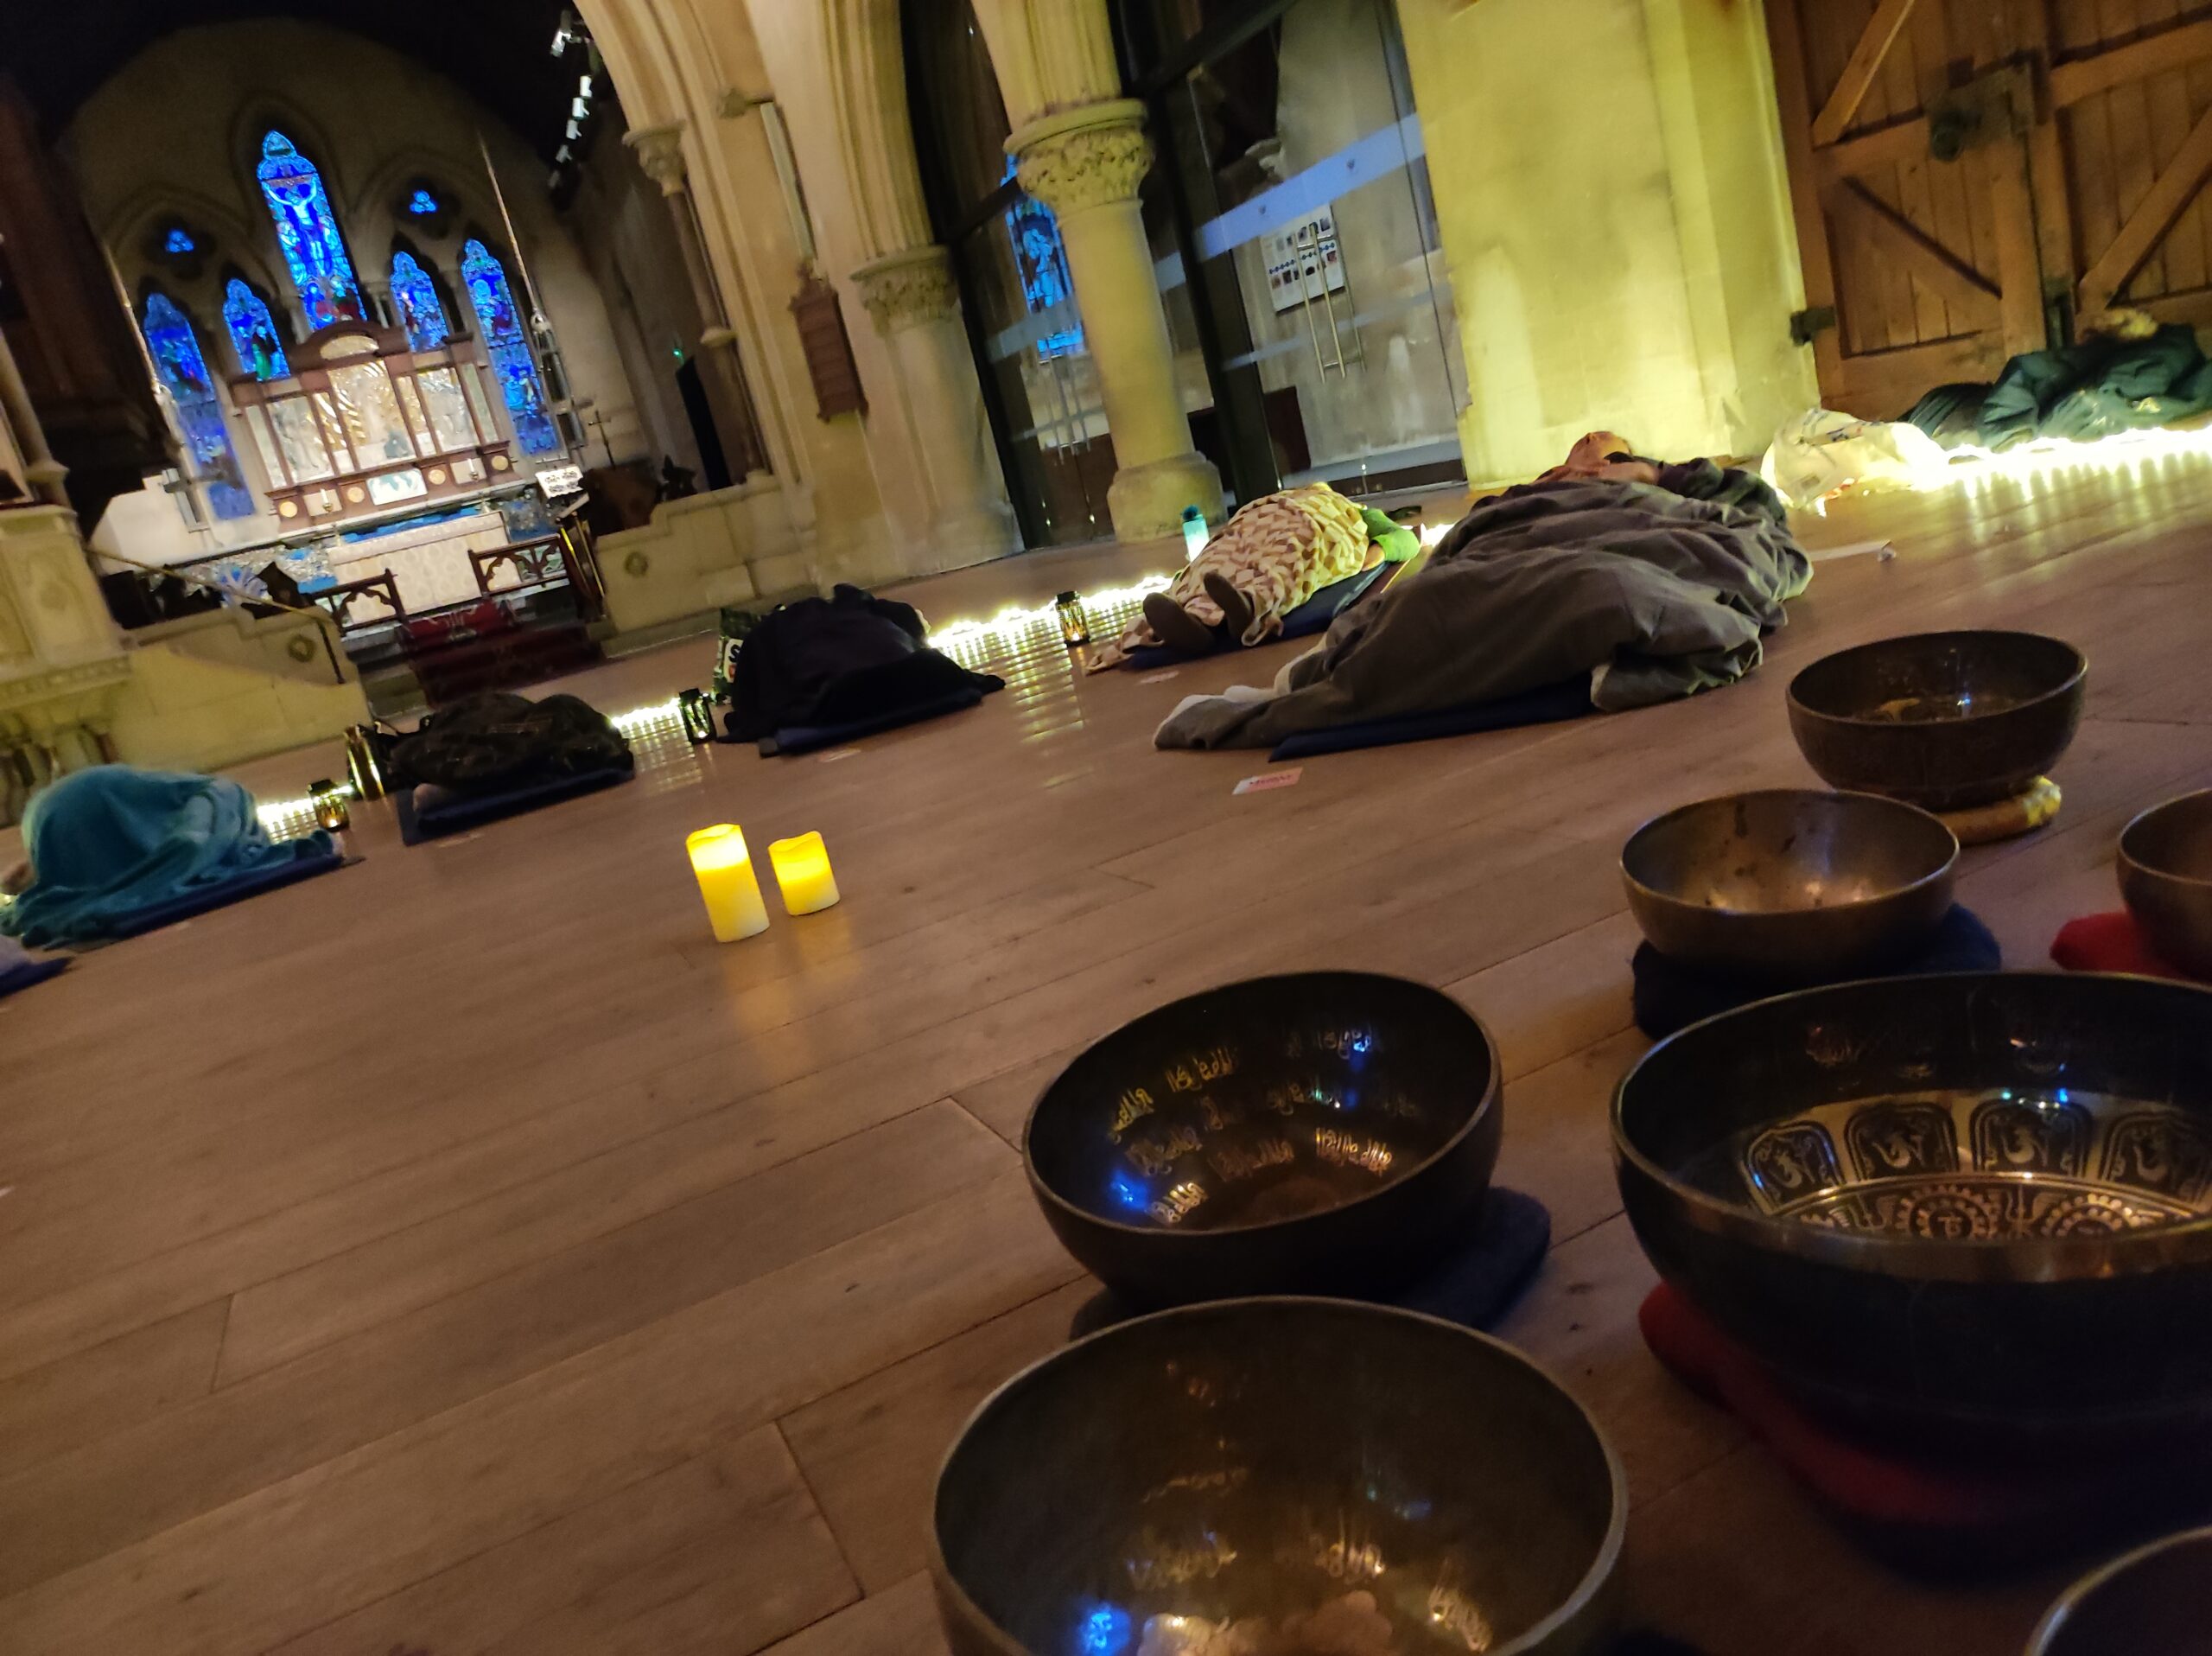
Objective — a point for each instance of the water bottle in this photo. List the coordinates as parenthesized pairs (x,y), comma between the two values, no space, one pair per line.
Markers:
(1195,532)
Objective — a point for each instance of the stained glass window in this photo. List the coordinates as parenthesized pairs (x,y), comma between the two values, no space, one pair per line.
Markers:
(1042,259)
(179,240)
(175,350)
(253,333)
(423,204)
(509,349)
(309,231)
(417,296)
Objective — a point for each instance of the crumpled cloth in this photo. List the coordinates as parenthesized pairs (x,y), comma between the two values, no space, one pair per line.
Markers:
(107,843)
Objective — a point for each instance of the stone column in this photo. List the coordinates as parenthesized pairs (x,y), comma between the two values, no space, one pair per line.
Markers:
(1085,164)
(24,452)
(660,152)
(916,307)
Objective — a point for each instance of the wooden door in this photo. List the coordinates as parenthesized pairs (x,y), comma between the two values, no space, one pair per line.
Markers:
(1970,177)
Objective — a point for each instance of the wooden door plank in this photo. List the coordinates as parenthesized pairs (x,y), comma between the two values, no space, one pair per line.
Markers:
(2019,266)
(1787,42)
(2173,190)
(2050,191)
(2085,77)
(1929,262)
(2135,169)
(1867,152)
(1866,59)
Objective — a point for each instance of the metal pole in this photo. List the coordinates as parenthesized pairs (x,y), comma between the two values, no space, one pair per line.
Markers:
(549,346)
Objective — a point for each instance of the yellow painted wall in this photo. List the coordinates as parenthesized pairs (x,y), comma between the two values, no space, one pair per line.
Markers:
(182,712)
(1613,210)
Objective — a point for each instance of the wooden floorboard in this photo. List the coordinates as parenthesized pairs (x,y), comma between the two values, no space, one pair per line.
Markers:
(465,1254)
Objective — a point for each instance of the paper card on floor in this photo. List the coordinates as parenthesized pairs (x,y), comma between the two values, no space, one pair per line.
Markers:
(1273,779)
(836,754)
(1160,678)
(1881,548)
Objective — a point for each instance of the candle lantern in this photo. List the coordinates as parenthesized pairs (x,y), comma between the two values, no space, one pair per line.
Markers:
(1075,625)
(330,809)
(699,715)
(802,874)
(726,883)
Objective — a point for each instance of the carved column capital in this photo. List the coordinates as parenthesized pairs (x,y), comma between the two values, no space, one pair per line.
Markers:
(1082,158)
(660,152)
(903,288)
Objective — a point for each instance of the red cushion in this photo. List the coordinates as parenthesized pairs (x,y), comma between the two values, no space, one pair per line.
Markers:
(2110,943)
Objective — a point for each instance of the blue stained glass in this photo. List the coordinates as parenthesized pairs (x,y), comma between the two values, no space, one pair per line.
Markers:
(180,241)
(175,350)
(308,232)
(417,296)
(253,334)
(1041,257)
(423,204)
(509,349)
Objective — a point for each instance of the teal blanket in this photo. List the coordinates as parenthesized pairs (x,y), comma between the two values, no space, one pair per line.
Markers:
(108,843)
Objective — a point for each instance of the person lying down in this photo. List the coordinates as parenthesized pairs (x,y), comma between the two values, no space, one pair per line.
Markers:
(1651,581)
(1267,559)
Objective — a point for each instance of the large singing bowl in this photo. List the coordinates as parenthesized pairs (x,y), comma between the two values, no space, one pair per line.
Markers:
(2156,1601)
(1278,1475)
(1972,1204)
(1791,885)
(1323,1132)
(1943,720)
(2165,879)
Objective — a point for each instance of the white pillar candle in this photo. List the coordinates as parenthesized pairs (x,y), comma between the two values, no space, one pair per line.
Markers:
(802,868)
(727,882)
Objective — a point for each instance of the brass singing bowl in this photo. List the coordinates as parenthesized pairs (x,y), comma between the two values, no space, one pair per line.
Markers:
(2156,1601)
(1963,1206)
(2165,879)
(1298,1475)
(1320,1133)
(1790,884)
(1942,720)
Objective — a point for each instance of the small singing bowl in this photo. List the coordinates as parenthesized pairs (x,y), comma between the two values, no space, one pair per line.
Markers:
(2156,1601)
(2165,879)
(1790,884)
(1316,1133)
(1278,1475)
(1941,720)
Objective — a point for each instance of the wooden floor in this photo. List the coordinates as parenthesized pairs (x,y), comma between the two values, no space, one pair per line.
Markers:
(463,1253)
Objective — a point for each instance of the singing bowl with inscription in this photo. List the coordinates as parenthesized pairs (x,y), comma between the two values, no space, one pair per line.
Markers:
(1973,1203)
(2165,879)
(1278,1475)
(1941,720)
(1321,1133)
(1790,884)
(2156,1601)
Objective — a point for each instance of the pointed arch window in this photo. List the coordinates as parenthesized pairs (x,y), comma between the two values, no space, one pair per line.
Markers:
(174,347)
(508,347)
(417,296)
(253,333)
(307,231)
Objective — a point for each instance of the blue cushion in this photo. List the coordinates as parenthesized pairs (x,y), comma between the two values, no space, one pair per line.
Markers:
(1671,996)
(1310,617)
(429,812)
(252,884)
(1546,704)
(808,738)
(23,974)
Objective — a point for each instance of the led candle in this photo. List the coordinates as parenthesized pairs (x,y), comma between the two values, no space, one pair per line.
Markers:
(802,868)
(724,869)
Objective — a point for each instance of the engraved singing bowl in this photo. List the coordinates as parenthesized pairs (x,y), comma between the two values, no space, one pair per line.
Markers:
(1321,1133)
(1791,885)
(1956,1204)
(2156,1601)
(2165,879)
(1278,1475)
(1941,720)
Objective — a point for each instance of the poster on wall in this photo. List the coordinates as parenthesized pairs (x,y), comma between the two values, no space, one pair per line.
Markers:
(1304,261)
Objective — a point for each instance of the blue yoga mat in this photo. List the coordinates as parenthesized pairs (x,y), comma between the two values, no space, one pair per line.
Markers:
(1546,704)
(1671,996)
(809,738)
(1310,617)
(433,812)
(25,973)
(269,877)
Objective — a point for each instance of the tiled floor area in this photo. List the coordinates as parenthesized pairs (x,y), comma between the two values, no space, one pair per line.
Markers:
(463,1253)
